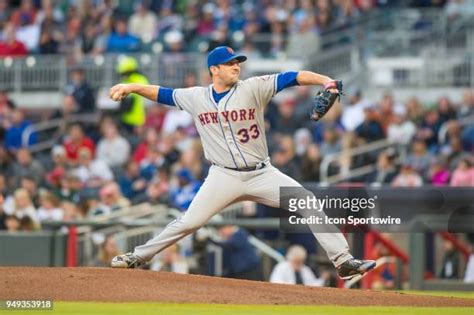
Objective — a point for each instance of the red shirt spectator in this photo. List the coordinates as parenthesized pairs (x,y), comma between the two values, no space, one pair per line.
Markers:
(10,46)
(75,141)
(151,139)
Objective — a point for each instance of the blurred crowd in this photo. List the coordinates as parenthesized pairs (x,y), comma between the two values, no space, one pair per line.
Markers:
(91,27)
(157,157)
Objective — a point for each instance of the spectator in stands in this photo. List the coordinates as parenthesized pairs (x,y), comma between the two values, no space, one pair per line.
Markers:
(240,257)
(305,42)
(108,250)
(120,41)
(467,107)
(14,132)
(26,165)
(151,163)
(415,112)
(439,173)
(401,130)
(185,190)
(111,198)
(5,12)
(302,139)
(93,173)
(284,157)
(3,216)
(155,117)
(451,267)
(59,167)
(193,159)
(445,110)
(158,190)
(463,175)
(82,92)
(385,169)
(29,183)
(21,206)
(48,44)
(386,111)
(407,177)
(5,163)
(76,139)
(143,22)
(419,158)
(132,185)
(170,260)
(370,129)
(70,189)
(455,152)
(353,112)
(71,211)
(49,209)
(88,39)
(170,152)
(113,149)
(331,142)
(294,271)
(9,45)
(286,120)
(25,14)
(132,108)
(149,140)
(429,130)
(310,163)
(70,45)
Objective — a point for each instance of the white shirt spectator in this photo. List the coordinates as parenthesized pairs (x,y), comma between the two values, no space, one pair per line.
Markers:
(469,275)
(114,152)
(176,118)
(353,115)
(55,214)
(97,169)
(401,133)
(284,273)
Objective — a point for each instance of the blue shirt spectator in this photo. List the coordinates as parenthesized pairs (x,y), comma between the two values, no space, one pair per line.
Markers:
(13,134)
(121,41)
(188,187)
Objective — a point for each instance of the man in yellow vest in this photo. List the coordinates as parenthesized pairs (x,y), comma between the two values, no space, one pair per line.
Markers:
(133,107)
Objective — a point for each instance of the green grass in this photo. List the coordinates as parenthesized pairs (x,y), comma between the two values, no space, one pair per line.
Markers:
(458,294)
(86,308)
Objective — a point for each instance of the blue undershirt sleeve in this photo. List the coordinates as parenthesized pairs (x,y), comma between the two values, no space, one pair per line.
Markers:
(165,96)
(286,80)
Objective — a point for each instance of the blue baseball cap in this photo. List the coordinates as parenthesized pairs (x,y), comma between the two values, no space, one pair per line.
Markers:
(222,54)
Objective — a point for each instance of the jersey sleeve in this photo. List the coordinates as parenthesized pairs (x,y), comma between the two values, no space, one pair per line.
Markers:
(185,99)
(263,88)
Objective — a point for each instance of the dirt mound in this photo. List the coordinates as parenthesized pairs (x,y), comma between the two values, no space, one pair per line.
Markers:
(112,285)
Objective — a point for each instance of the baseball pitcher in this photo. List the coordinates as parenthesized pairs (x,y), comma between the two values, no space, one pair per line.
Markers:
(229,116)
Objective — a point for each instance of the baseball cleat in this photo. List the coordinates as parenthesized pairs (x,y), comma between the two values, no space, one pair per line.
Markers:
(128,260)
(353,267)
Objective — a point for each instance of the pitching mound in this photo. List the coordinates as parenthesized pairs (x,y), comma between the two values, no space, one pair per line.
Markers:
(112,285)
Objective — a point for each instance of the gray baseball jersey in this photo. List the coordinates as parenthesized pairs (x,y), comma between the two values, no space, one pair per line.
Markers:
(232,131)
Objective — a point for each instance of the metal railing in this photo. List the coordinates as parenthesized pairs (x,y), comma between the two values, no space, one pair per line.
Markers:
(331,158)
(53,125)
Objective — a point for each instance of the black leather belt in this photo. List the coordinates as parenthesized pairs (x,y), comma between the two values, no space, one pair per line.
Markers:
(248,168)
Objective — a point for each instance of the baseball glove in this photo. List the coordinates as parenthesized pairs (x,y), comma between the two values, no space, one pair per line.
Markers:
(325,99)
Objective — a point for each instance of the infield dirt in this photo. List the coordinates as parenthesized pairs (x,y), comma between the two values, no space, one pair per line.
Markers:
(112,285)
